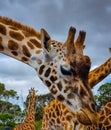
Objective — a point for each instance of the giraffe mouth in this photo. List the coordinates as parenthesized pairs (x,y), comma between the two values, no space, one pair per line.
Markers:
(87,117)
(83,118)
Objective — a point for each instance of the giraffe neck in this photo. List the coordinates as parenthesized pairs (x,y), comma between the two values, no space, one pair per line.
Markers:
(31,111)
(20,42)
(98,74)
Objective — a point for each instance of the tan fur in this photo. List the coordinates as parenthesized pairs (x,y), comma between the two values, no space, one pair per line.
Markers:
(18,25)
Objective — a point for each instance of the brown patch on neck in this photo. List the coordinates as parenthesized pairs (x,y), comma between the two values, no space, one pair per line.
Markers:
(36,43)
(41,70)
(59,85)
(16,35)
(2,29)
(26,51)
(14,53)
(24,59)
(12,45)
(53,89)
(1,47)
(53,78)
(60,98)
(47,83)
(30,45)
(47,73)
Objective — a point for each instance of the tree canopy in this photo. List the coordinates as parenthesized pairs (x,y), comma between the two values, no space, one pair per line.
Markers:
(104,94)
(8,111)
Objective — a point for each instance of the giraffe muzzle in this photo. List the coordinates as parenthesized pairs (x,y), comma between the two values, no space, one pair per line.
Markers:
(87,117)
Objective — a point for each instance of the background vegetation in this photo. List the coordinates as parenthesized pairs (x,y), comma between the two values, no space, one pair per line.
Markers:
(12,114)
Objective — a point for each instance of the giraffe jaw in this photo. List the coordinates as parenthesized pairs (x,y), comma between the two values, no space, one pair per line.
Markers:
(87,118)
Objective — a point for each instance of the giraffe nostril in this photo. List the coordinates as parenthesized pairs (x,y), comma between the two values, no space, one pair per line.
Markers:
(65,70)
(98,129)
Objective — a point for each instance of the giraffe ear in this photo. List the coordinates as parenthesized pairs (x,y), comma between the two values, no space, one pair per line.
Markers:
(44,39)
(110,50)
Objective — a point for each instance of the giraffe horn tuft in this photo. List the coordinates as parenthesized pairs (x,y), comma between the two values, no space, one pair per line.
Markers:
(70,41)
(79,44)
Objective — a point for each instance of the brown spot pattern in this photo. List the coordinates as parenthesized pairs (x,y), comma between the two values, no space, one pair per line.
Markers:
(70,95)
(30,45)
(13,28)
(82,92)
(14,53)
(26,34)
(36,43)
(60,97)
(59,85)
(1,47)
(2,29)
(38,51)
(53,90)
(69,103)
(41,69)
(48,83)
(109,105)
(67,88)
(16,35)
(12,45)
(58,120)
(26,51)
(47,73)
(69,118)
(53,78)
(24,59)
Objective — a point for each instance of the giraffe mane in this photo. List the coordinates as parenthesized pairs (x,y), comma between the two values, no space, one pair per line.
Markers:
(18,25)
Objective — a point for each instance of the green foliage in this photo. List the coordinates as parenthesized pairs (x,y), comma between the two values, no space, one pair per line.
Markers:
(8,111)
(104,95)
(1,127)
(41,102)
(7,119)
(38,125)
(6,94)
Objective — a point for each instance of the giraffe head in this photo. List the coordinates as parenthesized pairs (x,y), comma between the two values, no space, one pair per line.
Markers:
(32,96)
(65,73)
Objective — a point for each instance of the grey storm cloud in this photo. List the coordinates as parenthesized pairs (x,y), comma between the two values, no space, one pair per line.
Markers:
(56,16)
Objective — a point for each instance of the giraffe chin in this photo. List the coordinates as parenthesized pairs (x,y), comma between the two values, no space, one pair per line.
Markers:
(87,118)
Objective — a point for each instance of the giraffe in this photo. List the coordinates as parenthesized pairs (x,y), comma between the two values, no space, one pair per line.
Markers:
(104,120)
(62,67)
(57,116)
(99,73)
(29,121)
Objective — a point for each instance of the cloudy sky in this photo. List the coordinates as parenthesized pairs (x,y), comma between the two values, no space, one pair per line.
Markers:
(56,16)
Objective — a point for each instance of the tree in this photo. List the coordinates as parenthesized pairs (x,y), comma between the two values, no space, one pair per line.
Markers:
(104,95)
(9,112)
(7,119)
(7,94)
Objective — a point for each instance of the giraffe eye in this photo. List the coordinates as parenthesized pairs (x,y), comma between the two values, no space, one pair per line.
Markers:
(52,49)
